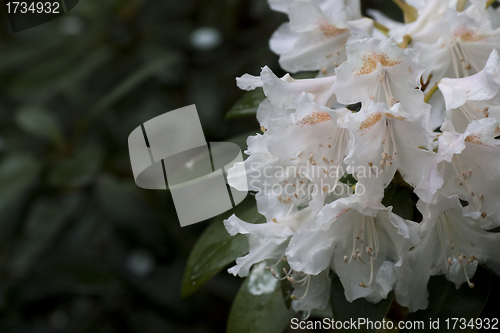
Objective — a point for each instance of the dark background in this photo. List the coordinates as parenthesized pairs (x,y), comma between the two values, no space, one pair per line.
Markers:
(82,248)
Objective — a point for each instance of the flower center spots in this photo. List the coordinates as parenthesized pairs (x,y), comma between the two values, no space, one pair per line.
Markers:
(332,155)
(449,236)
(474,138)
(372,60)
(467,35)
(315,118)
(388,141)
(330,30)
(389,144)
(371,120)
(390,115)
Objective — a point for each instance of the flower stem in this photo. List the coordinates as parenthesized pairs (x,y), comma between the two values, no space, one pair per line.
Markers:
(410,13)
(406,41)
(431,92)
(382,28)
(461,5)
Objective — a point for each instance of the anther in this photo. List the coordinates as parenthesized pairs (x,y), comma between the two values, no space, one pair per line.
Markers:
(311,159)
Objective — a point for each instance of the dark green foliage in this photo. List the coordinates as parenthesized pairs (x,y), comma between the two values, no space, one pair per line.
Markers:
(82,248)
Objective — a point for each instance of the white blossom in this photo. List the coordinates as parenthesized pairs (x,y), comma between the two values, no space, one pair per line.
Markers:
(316,35)
(318,225)
(452,244)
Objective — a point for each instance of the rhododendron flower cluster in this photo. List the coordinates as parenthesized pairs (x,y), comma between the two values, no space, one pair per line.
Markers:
(428,111)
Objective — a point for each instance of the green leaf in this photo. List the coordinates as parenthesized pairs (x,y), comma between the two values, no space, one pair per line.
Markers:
(445,301)
(40,123)
(132,82)
(18,175)
(287,292)
(121,201)
(265,313)
(247,105)
(61,71)
(77,170)
(215,249)
(45,221)
(492,267)
(359,308)
(348,179)
(399,197)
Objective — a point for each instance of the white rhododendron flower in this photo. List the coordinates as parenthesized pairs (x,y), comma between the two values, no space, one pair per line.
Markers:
(385,140)
(380,71)
(424,28)
(357,236)
(474,97)
(267,240)
(333,144)
(452,244)
(462,49)
(316,35)
(470,166)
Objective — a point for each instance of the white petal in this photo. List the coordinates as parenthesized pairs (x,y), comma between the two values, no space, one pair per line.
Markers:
(248,82)
(478,87)
(310,251)
(283,39)
(380,71)
(305,16)
(317,296)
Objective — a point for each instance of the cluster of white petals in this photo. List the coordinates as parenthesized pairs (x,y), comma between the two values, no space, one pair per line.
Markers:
(429,112)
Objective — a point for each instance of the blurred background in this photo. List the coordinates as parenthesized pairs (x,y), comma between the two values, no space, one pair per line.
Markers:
(82,248)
